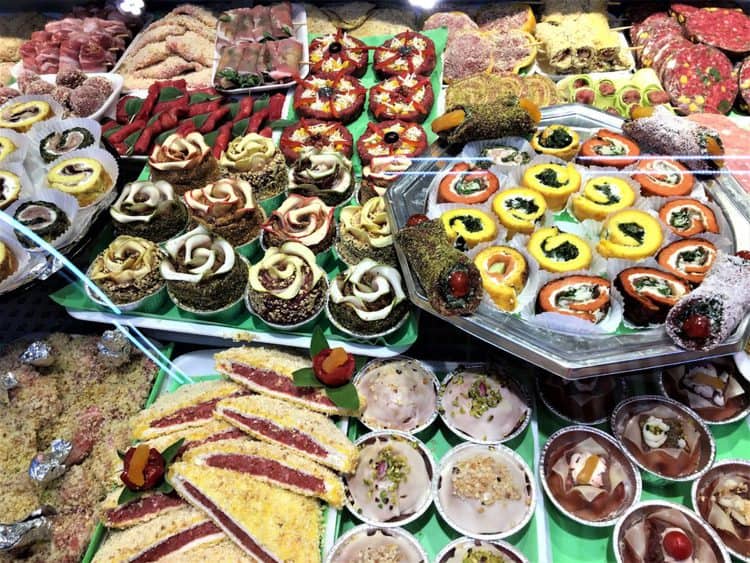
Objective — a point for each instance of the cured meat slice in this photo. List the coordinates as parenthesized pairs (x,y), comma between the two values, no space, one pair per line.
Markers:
(405,52)
(269,372)
(725,29)
(653,46)
(454,21)
(339,99)
(391,138)
(267,522)
(667,49)
(512,51)
(180,530)
(310,434)
(467,53)
(744,83)
(190,405)
(209,432)
(699,78)
(138,511)
(502,18)
(317,134)
(407,96)
(276,465)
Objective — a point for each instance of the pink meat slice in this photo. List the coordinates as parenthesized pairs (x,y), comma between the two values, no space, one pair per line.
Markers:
(736,141)
(454,21)
(467,54)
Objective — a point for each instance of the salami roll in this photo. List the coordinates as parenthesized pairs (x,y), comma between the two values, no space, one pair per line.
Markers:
(699,79)
(744,84)
(502,18)
(706,317)
(451,281)
(584,297)
(467,53)
(723,28)
(649,294)
(668,48)
(690,259)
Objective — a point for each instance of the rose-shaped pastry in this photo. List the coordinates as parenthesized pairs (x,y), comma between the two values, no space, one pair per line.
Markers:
(83,178)
(149,210)
(378,176)
(20,116)
(203,271)
(256,159)
(10,188)
(323,174)
(306,220)
(128,269)
(185,161)
(368,299)
(365,232)
(287,287)
(227,207)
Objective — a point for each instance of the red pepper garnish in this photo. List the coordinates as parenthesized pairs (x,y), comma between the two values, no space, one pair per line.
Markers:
(182,102)
(143,468)
(148,104)
(222,140)
(203,107)
(214,119)
(256,120)
(744,254)
(275,106)
(459,283)
(125,131)
(121,114)
(333,366)
(245,108)
(108,124)
(266,132)
(186,127)
(416,219)
(697,327)
(143,143)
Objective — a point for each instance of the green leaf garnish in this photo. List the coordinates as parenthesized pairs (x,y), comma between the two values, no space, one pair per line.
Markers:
(127,495)
(170,453)
(165,487)
(345,396)
(120,454)
(318,342)
(305,377)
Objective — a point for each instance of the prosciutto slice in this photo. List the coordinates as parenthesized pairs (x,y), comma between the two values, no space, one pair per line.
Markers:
(284,58)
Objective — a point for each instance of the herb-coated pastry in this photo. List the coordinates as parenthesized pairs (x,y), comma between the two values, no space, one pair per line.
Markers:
(43,218)
(185,161)
(366,232)
(58,143)
(149,210)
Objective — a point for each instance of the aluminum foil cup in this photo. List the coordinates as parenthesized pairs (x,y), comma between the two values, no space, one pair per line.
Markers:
(301,326)
(706,441)
(384,435)
(151,303)
(333,555)
(635,513)
(578,434)
(512,555)
(719,467)
(361,336)
(741,415)
(620,391)
(530,482)
(372,364)
(522,393)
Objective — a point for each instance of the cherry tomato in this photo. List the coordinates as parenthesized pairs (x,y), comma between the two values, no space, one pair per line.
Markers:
(697,326)
(148,472)
(333,366)
(677,545)
(459,282)
(416,219)
(744,254)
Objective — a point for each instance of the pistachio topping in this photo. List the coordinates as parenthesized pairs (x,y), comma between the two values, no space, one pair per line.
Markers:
(251,153)
(655,432)
(387,470)
(483,396)
(179,152)
(369,223)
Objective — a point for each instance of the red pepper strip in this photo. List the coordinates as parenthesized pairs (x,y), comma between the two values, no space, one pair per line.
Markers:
(222,140)
(121,148)
(275,106)
(170,119)
(214,119)
(182,101)
(266,132)
(203,107)
(256,120)
(186,127)
(125,131)
(148,104)
(179,84)
(245,108)
(109,124)
(143,143)
(121,115)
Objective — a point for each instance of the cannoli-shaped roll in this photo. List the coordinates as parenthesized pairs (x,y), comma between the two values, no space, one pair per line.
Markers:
(706,317)
(452,283)
(662,132)
(649,294)
(506,116)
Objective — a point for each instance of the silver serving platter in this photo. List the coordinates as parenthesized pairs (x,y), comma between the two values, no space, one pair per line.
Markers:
(569,356)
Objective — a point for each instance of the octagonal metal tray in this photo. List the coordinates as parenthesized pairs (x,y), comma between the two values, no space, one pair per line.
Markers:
(569,356)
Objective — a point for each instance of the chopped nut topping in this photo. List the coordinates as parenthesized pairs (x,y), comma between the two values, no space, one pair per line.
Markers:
(485,479)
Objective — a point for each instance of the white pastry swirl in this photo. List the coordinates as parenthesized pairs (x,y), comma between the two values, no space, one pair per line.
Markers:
(306,220)
(179,152)
(197,255)
(286,271)
(251,153)
(365,287)
(368,223)
(140,202)
(127,259)
(228,196)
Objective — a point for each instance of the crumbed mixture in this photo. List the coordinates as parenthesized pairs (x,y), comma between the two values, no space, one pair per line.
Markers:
(82,401)
(485,479)
(381,554)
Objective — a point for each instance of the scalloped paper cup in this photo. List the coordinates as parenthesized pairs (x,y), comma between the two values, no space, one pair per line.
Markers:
(57,109)
(42,130)
(21,141)
(107,161)
(67,203)
(271,204)
(23,261)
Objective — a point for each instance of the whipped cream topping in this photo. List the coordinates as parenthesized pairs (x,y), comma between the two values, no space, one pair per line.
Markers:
(127,259)
(228,196)
(197,255)
(369,223)
(306,220)
(322,171)
(179,152)
(140,202)
(249,153)
(283,271)
(364,285)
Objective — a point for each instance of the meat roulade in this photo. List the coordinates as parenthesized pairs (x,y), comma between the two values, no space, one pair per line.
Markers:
(585,297)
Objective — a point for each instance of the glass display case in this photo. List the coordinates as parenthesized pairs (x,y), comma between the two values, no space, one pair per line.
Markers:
(375,282)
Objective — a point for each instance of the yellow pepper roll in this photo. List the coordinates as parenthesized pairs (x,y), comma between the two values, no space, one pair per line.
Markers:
(504,273)
(519,210)
(83,178)
(471,225)
(601,196)
(556,140)
(20,116)
(630,234)
(556,182)
(557,251)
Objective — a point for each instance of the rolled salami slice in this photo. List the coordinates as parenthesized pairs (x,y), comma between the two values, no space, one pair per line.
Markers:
(307,433)
(706,317)
(269,372)
(723,28)
(190,405)
(275,465)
